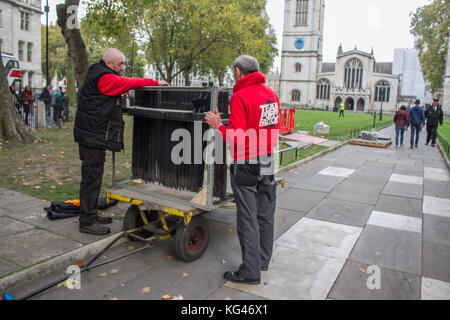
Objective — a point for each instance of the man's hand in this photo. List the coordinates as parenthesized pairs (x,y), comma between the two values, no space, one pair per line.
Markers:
(163,83)
(213,119)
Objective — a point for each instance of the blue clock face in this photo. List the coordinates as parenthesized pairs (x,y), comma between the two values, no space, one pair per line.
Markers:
(299,43)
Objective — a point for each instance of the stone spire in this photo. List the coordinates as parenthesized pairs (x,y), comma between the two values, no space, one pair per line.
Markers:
(340,51)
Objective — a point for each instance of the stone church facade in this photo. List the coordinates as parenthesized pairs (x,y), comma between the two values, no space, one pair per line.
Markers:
(355,79)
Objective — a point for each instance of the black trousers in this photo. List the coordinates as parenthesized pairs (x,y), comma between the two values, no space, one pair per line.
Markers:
(255,197)
(431,133)
(92,168)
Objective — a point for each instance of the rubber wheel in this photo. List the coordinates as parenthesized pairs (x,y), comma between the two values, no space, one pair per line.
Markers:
(192,240)
(133,220)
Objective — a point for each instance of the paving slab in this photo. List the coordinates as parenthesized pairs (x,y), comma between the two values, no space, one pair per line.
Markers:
(436,260)
(407,190)
(352,284)
(320,183)
(437,174)
(433,289)
(285,219)
(299,200)
(388,248)
(349,162)
(8,197)
(342,212)
(7,266)
(436,189)
(436,206)
(321,238)
(337,172)
(436,229)
(10,226)
(400,205)
(295,275)
(34,246)
(395,221)
(330,143)
(406,179)
(221,215)
(359,189)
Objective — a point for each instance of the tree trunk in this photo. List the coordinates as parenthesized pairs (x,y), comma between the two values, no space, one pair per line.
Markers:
(187,78)
(71,32)
(11,125)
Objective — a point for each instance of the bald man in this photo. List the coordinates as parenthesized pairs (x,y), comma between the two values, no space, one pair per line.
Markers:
(99,127)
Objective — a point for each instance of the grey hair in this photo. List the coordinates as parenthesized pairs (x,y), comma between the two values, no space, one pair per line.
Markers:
(247,64)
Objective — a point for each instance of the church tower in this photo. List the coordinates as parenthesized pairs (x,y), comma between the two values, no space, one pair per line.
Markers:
(301,57)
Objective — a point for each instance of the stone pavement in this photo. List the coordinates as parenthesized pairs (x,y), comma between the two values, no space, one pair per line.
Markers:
(357,223)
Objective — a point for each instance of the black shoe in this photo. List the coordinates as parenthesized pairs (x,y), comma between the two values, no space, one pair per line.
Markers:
(417,146)
(426,143)
(433,145)
(95,229)
(264,268)
(104,220)
(235,277)
(412,147)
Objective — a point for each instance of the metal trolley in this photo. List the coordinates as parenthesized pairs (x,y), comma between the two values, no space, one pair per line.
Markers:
(157,213)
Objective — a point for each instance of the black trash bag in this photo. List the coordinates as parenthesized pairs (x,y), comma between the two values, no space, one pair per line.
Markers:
(62,210)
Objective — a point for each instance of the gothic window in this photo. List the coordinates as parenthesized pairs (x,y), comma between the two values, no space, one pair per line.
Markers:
(298,67)
(301,13)
(323,90)
(353,76)
(382,91)
(295,96)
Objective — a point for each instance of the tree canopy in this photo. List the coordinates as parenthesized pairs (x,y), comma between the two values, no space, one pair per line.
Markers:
(431,25)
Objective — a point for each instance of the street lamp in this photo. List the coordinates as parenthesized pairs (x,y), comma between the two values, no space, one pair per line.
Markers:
(47,10)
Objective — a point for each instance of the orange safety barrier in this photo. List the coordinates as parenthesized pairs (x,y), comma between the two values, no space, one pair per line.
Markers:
(287,120)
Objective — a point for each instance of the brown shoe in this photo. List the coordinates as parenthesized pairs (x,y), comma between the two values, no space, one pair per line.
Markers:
(95,229)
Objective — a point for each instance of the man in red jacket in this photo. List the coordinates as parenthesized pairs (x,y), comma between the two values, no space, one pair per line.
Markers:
(252,136)
(99,127)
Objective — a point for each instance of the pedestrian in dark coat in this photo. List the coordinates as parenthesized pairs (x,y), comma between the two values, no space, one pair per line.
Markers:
(417,121)
(401,123)
(435,117)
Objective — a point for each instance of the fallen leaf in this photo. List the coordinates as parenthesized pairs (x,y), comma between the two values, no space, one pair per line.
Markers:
(30,160)
(100,212)
(185,275)
(327,245)
(37,187)
(166,297)
(103,275)
(139,181)
(146,290)
(363,270)
(223,261)
(80,264)
(178,298)
(114,271)
(169,257)
(114,299)
(227,298)
(44,201)
(131,248)
(440,196)
(230,230)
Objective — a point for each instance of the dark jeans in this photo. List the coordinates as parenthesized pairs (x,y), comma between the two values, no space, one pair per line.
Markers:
(431,134)
(56,113)
(415,134)
(92,167)
(255,197)
(399,133)
(341,113)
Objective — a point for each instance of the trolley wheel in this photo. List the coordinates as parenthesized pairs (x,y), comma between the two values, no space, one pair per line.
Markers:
(133,220)
(192,240)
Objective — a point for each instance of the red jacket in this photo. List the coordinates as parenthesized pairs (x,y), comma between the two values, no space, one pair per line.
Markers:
(113,85)
(401,118)
(254,118)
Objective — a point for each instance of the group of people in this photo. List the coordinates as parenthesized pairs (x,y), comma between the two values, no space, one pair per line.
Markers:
(24,102)
(99,127)
(417,118)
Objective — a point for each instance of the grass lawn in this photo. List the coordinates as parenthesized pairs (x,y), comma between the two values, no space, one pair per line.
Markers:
(445,129)
(339,127)
(52,170)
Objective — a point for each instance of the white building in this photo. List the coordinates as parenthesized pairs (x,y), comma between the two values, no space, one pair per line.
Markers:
(150,71)
(20,36)
(355,79)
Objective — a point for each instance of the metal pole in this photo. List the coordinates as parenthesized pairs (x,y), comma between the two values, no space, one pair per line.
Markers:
(47,10)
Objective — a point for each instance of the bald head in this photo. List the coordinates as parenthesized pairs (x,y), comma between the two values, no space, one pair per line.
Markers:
(115,60)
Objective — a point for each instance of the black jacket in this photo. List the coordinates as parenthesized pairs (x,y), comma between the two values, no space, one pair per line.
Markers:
(98,122)
(433,117)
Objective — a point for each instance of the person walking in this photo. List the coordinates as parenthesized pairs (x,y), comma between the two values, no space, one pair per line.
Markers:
(401,123)
(57,106)
(342,110)
(254,113)
(99,126)
(417,121)
(435,117)
(27,103)
(46,98)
